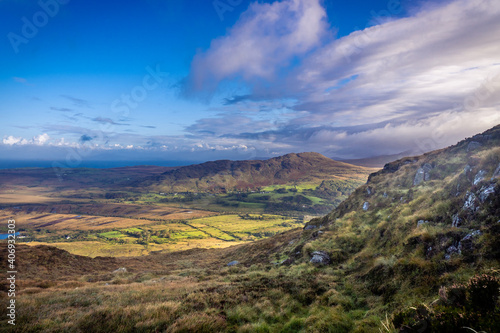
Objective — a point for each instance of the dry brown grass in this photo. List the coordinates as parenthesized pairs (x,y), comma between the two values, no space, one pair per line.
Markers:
(95,216)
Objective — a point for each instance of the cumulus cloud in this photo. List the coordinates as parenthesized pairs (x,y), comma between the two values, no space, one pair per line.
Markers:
(12,140)
(41,139)
(38,140)
(265,39)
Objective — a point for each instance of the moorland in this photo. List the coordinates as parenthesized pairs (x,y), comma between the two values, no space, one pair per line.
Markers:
(414,248)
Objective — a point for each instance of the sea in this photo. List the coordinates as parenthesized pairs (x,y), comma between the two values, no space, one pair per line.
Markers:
(13,164)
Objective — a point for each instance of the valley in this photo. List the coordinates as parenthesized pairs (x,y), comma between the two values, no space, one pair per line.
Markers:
(412,249)
(129,211)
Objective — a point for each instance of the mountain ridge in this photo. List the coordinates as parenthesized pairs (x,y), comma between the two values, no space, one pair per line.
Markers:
(221,175)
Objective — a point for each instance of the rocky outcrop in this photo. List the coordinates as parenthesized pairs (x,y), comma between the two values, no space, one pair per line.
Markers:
(486,191)
(470,202)
(496,173)
(422,174)
(366,206)
(320,258)
(480,176)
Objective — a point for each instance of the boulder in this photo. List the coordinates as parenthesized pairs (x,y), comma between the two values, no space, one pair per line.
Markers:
(366,205)
(320,258)
(421,222)
(310,227)
(120,270)
(456,221)
(233,263)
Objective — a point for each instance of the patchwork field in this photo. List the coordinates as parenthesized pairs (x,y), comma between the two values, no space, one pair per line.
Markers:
(111,229)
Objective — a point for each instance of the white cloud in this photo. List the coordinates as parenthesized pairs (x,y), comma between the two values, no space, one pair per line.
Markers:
(11,140)
(437,71)
(41,139)
(265,39)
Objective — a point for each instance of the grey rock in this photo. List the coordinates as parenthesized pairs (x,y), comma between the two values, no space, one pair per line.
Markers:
(423,174)
(473,145)
(366,205)
(496,174)
(421,222)
(320,258)
(310,227)
(453,250)
(479,177)
(233,263)
(369,191)
(120,270)
(467,169)
(485,192)
(419,177)
(385,195)
(470,202)
(471,235)
(467,244)
(456,221)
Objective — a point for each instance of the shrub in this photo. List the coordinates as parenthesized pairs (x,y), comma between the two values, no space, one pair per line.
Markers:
(471,305)
(483,291)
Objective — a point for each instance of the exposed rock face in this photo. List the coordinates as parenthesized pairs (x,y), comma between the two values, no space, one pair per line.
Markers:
(233,263)
(120,270)
(366,205)
(485,192)
(320,258)
(470,202)
(473,145)
(310,227)
(496,174)
(479,177)
(465,245)
(422,174)
(456,221)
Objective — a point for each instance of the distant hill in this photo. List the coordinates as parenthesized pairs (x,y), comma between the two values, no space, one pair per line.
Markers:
(225,175)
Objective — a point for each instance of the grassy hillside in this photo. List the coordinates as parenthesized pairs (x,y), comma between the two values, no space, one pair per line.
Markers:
(221,176)
(416,249)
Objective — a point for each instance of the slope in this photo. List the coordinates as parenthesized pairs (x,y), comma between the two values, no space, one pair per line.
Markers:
(218,176)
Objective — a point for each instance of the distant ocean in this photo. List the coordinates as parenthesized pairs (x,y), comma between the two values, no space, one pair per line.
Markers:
(88,164)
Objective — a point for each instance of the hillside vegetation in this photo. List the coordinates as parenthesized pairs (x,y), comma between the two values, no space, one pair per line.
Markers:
(227,175)
(416,249)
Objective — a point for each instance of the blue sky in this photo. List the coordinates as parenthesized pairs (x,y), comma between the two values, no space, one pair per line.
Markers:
(185,80)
